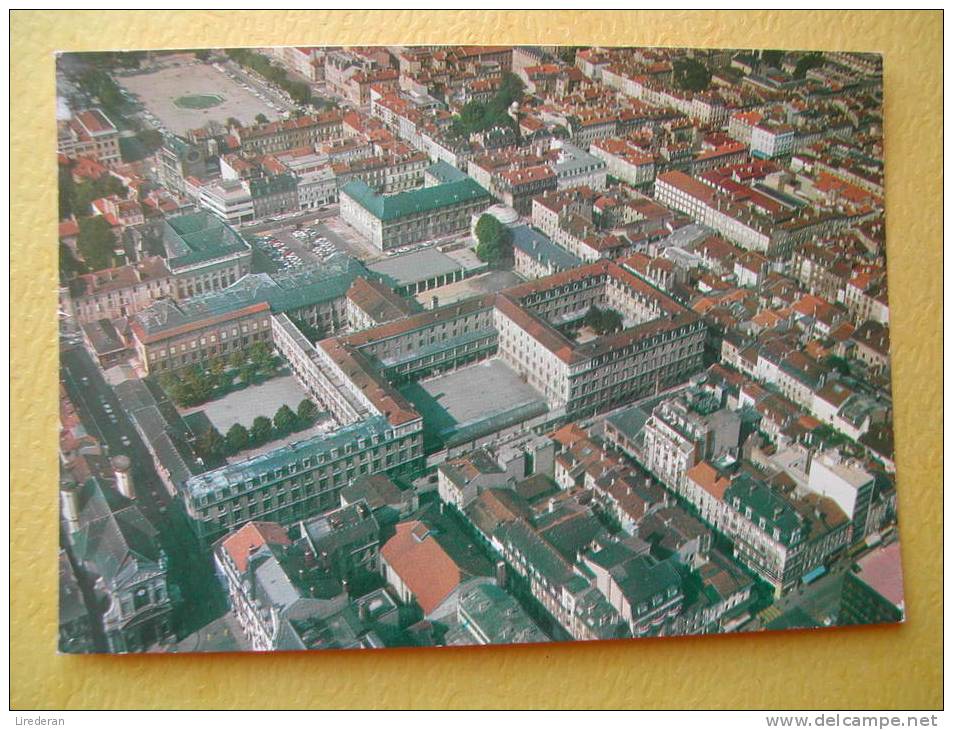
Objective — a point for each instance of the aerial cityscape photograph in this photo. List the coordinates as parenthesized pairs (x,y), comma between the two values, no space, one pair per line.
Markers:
(419,346)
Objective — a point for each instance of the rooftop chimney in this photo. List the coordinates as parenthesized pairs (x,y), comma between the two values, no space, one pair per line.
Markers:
(122,469)
(69,503)
(501,573)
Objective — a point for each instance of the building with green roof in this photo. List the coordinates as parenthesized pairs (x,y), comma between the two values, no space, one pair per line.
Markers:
(780,534)
(203,253)
(169,334)
(390,221)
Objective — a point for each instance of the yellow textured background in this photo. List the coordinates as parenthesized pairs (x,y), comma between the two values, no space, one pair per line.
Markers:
(886,667)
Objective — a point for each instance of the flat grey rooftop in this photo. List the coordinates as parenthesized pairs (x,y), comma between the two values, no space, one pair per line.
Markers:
(488,282)
(416,266)
(483,397)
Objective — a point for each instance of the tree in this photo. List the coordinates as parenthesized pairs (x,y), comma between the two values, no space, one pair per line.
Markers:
(202,54)
(495,241)
(261,429)
(691,75)
(233,122)
(247,372)
(285,420)
(236,359)
(603,321)
(69,264)
(96,242)
(567,54)
(200,383)
(217,371)
(307,411)
(150,139)
(261,356)
(477,116)
(806,63)
(82,195)
(839,364)
(210,445)
(772,58)
(66,188)
(308,330)
(237,438)
(261,118)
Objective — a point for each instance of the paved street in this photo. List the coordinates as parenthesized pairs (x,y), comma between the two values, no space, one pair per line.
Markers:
(190,567)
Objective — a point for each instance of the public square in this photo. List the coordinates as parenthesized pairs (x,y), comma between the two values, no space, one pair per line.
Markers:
(158,91)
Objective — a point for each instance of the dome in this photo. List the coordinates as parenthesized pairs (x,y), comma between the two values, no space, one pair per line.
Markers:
(504,214)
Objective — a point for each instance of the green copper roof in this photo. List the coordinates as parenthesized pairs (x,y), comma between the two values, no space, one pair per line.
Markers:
(284,292)
(392,207)
(765,503)
(196,237)
(445,172)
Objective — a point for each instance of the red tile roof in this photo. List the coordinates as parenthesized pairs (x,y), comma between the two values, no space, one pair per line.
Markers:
(242,544)
(422,565)
(708,478)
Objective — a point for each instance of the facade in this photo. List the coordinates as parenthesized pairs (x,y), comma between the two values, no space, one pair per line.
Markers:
(229,200)
(170,335)
(117,552)
(645,593)
(660,345)
(685,430)
(580,609)
(490,615)
(625,161)
(282,598)
(301,480)
(780,536)
(203,253)
(122,291)
(345,542)
(290,134)
(769,140)
(682,192)
(873,590)
(89,133)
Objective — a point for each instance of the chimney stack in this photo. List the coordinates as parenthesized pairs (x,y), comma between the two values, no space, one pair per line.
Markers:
(69,503)
(501,573)
(122,468)
(434,301)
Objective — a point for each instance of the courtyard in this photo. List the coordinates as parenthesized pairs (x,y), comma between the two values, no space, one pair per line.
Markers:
(245,405)
(188,96)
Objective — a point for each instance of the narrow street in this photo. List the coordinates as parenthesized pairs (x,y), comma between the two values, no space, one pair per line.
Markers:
(190,566)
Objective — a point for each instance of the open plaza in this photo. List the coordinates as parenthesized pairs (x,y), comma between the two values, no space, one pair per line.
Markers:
(174,94)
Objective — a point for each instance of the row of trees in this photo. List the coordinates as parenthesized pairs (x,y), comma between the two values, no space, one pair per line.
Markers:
(212,446)
(298,90)
(197,385)
(478,116)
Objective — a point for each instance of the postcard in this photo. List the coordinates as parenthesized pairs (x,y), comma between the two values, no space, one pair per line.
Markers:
(368,347)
